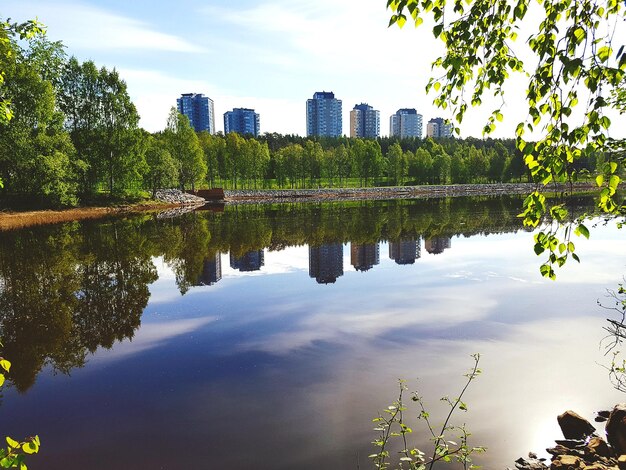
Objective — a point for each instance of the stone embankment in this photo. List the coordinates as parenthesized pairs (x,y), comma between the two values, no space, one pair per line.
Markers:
(175,196)
(583,448)
(396,192)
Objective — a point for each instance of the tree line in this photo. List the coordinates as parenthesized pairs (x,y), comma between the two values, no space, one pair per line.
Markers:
(75,136)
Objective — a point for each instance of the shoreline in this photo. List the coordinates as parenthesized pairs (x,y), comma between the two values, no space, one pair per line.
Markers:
(15,220)
(264,196)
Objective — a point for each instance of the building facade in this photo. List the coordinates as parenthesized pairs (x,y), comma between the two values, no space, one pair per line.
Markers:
(404,251)
(406,122)
(438,128)
(364,257)
(364,121)
(250,261)
(199,109)
(323,115)
(242,121)
(326,262)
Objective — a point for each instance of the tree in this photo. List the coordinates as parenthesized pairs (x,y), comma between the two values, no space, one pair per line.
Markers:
(8,31)
(184,147)
(572,56)
(102,121)
(162,169)
(36,155)
(398,164)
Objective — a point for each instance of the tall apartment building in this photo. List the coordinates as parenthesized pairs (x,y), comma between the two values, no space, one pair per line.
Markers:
(364,257)
(199,109)
(326,262)
(323,115)
(436,245)
(242,121)
(404,251)
(211,271)
(438,128)
(406,122)
(364,121)
(250,261)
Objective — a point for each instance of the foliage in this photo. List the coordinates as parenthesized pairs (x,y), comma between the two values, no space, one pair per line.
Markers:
(392,424)
(184,146)
(8,31)
(13,455)
(574,66)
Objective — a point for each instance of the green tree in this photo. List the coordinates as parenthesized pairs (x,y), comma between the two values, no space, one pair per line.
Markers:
(184,147)
(213,147)
(398,164)
(162,169)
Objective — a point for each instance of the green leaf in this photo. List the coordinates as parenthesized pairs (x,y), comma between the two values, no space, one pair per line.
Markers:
(582,230)
(13,443)
(600,180)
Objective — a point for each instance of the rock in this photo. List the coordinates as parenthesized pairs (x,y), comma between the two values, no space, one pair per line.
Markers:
(596,466)
(575,426)
(562,450)
(531,463)
(621,462)
(602,416)
(597,447)
(616,429)
(567,462)
(571,443)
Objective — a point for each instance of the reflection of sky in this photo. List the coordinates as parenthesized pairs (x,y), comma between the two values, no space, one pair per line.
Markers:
(270,370)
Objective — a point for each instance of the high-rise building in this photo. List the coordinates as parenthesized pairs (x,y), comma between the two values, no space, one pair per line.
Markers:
(242,121)
(323,115)
(364,121)
(326,262)
(438,128)
(404,251)
(364,257)
(211,271)
(250,261)
(436,245)
(199,109)
(405,123)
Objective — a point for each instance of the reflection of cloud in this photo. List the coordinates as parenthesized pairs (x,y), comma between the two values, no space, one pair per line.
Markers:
(342,326)
(85,27)
(150,336)
(289,260)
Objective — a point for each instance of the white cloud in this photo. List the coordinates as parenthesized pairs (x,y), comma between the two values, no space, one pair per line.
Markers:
(88,28)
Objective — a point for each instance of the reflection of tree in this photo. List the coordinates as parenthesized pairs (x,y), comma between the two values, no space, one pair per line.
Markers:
(68,290)
(114,278)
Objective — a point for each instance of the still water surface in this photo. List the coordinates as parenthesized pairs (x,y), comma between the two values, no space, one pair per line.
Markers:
(268,337)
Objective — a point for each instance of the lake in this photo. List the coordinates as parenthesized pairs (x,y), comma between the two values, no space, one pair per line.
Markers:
(268,337)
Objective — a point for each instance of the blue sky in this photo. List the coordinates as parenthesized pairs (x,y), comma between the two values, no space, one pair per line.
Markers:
(270,55)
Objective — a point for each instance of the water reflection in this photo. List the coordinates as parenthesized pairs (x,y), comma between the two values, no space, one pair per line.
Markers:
(237,342)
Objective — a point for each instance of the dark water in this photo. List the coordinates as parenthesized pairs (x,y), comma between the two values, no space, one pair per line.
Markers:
(268,337)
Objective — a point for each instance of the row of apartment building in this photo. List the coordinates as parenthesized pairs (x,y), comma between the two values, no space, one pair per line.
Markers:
(323,118)
(326,260)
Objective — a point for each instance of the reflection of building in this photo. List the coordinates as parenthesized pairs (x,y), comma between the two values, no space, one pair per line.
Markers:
(211,271)
(364,121)
(242,121)
(438,128)
(436,245)
(405,123)
(404,251)
(364,257)
(199,109)
(323,115)
(251,261)
(326,262)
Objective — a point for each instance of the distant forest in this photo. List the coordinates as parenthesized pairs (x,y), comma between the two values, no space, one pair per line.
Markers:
(74,138)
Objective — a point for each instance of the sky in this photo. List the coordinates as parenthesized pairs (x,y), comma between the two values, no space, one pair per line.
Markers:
(270,55)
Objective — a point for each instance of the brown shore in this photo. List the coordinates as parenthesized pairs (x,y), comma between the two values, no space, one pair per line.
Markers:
(11,220)
(16,220)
